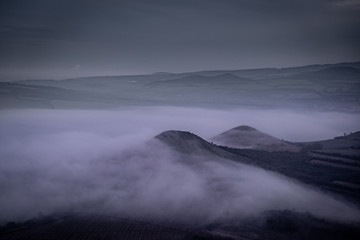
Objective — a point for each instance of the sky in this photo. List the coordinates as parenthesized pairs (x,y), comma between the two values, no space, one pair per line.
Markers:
(62,38)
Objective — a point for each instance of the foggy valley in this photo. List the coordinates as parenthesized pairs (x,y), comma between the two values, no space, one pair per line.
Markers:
(125,164)
(186,120)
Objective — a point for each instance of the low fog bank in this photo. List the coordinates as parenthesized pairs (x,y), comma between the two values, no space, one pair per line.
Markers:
(100,161)
(145,122)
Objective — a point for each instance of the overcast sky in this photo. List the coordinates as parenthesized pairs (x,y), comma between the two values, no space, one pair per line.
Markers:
(55,38)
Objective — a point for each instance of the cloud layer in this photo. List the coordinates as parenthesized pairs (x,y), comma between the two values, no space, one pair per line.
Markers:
(98,161)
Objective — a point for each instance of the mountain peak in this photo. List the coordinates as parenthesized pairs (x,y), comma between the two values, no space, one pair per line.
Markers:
(175,135)
(189,143)
(183,141)
(244,128)
(247,137)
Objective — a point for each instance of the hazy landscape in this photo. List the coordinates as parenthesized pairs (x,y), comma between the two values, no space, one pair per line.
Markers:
(93,151)
(333,87)
(185,120)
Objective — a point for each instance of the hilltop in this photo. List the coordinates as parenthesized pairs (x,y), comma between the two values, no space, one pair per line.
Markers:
(246,137)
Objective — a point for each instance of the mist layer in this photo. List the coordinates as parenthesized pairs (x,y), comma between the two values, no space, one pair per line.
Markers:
(101,162)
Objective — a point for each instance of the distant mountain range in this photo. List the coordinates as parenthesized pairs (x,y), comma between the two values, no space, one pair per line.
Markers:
(330,87)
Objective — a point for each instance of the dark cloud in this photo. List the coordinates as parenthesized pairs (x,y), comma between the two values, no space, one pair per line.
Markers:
(149,36)
(350,4)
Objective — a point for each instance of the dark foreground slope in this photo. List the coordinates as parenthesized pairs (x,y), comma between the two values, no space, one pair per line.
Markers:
(276,225)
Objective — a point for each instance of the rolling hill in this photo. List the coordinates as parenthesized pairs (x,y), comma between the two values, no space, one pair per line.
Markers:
(246,137)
